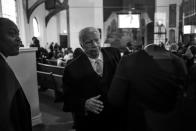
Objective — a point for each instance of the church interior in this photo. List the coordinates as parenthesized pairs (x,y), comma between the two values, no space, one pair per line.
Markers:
(54,25)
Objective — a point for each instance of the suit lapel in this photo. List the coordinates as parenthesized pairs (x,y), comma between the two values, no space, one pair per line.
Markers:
(86,64)
(88,67)
(106,62)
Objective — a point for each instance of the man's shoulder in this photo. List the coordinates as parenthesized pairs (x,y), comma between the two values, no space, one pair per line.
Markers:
(137,54)
(75,62)
(110,49)
(134,58)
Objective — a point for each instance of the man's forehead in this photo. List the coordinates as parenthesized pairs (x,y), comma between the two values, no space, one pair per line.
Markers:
(93,33)
(90,33)
(90,36)
(90,30)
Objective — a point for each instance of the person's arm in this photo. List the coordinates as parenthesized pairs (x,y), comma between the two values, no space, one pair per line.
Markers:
(73,101)
(118,92)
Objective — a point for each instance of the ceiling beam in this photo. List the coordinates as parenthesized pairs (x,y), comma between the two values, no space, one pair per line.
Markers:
(32,8)
(59,7)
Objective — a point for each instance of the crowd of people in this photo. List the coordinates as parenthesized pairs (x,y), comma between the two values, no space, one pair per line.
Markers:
(53,52)
(143,90)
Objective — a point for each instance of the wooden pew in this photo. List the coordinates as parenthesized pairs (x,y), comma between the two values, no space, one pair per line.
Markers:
(45,80)
(50,68)
(51,62)
(50,77)
(59,87)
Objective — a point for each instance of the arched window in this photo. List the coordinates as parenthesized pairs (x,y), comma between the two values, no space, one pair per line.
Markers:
(35,27)
(9,9)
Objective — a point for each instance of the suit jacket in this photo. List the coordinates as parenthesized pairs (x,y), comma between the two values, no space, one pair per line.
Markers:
(81,82)
(190,103)
(141,85)
(15,112)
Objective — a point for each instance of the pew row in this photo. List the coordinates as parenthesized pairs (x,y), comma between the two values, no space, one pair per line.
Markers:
(50,77)
(50,68)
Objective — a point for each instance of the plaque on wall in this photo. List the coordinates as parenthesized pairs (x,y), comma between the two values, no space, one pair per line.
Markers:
(172,15)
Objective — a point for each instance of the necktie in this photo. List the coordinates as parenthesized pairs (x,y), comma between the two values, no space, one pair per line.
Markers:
(99,67)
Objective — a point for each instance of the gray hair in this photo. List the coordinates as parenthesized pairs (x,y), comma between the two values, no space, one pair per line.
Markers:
(84,33)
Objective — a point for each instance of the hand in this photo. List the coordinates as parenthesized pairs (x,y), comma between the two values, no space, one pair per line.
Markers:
(94,105)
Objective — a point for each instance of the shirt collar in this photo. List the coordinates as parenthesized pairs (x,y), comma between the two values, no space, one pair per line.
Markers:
(1,54)
(100,57)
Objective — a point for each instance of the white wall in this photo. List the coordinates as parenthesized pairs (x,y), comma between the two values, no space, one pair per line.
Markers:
(56,26)
(0,9)
(52,30)
(63,22)
(47,34)
(21,21)
(84,13)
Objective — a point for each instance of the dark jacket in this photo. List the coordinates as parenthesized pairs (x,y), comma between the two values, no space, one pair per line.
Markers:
(144,88)
(15,114)
(81,82)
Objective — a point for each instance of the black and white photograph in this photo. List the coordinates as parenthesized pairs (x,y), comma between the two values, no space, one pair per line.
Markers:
(97,65)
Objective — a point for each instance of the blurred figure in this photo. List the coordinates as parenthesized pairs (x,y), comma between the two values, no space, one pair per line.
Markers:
(190,56)
(35,42)
(51,51)
(136,46)
(15,114)
(69,56)
(21,44)
(174,48)
(77,52)
(86,82)
(128,49)
(145,88)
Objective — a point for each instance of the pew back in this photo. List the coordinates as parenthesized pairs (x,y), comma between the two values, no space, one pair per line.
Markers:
(50,77)
(50,68)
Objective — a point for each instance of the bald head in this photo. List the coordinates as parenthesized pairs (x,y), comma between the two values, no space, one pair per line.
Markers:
(6,23)
(9,37)
(88,32)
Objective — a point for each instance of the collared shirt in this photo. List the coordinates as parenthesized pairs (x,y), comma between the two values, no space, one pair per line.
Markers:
(100,57)
(3,56)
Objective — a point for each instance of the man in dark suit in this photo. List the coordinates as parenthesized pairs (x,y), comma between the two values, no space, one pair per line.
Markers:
(15,114)
(146,87)
(86,82)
